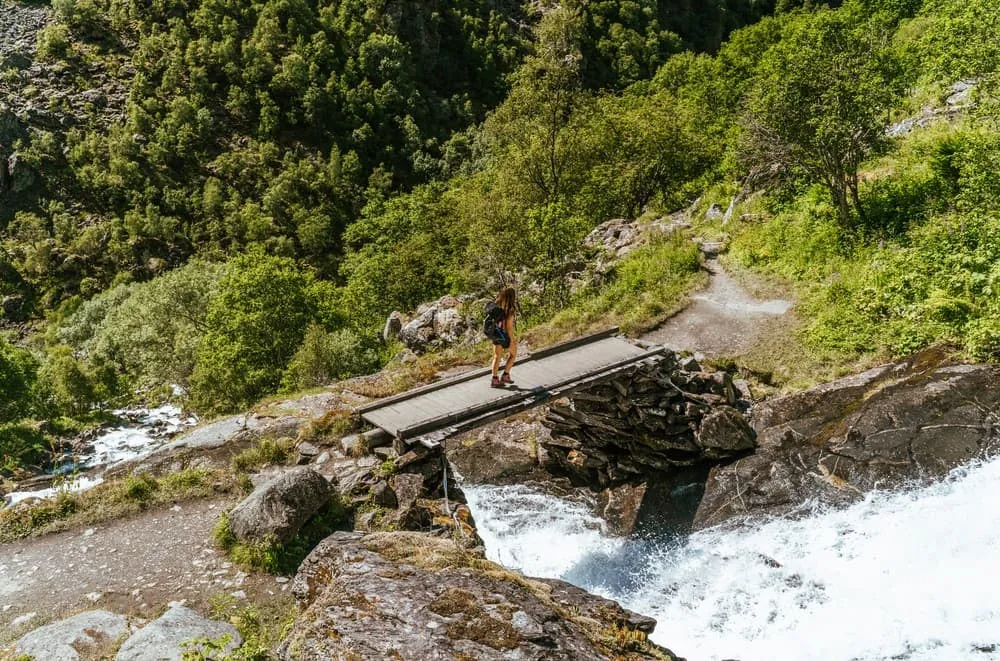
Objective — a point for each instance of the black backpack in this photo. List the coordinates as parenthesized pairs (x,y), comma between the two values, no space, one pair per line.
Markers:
(494,316)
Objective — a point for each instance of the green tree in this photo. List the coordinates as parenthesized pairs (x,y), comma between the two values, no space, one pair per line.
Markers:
(254,325)
(820,104)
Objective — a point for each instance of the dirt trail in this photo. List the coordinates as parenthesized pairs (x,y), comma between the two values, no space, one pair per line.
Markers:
(133,566)
(722,320)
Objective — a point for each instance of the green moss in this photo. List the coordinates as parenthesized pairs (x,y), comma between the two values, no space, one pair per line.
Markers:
(273,557)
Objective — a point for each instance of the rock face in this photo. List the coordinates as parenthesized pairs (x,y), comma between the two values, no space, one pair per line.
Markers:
(501,452)
(896,424)
(414,597)
(166,638)
(648,421)
(87,635)
(436,324)
(280,507)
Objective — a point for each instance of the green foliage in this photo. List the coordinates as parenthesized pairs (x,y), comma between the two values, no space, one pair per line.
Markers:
(819,104)
(645,287)
(18,377)
(148,331)
(273,557)
(71,385)
(53,42)
(254,325)
(20,445)
(325,357)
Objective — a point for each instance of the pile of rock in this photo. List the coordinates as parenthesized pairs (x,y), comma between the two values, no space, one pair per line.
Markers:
(649,420)
(435,324)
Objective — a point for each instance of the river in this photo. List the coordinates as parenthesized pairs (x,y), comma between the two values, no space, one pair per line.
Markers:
(909,575)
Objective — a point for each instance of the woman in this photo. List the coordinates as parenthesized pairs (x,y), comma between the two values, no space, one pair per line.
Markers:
(507,301)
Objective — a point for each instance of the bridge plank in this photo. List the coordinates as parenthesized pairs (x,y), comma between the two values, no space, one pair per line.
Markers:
(474,397)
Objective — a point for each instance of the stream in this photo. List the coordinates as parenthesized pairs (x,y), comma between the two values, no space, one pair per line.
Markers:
(142,430)
(909,575)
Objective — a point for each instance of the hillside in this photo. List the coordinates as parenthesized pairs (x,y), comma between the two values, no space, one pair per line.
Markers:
(232,197)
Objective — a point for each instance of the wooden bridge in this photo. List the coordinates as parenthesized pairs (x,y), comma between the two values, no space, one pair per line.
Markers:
(431,413)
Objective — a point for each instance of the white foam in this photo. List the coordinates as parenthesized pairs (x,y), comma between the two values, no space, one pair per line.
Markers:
(910,575)
(81,483)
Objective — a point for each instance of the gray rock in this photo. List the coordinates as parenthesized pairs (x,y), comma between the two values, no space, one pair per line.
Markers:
(407,487)
(435,601)
(164,638)
(307,452)
(714,212)
(82,636)
(894,425)
(279,508)
(353,445)
(393,325)
(725,431)
(382,495)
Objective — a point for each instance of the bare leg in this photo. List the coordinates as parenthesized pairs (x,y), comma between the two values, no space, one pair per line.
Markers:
(511,357)
(497,354)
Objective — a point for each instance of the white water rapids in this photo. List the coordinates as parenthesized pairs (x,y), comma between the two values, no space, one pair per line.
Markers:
(911,575)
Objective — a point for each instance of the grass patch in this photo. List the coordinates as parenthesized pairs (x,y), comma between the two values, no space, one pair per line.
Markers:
(645,287)
(273,557)
(111,500)
(264,452)
(331,426)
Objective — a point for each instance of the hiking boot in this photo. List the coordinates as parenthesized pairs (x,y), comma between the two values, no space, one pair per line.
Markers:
(506,379)
(495,382)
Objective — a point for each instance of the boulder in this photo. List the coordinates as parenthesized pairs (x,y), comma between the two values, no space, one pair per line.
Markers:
(393,325)
(724,432)
(169,636)
(500,452)
(84,636)
(412,596)
(897,424)
(619,507)
(278,508)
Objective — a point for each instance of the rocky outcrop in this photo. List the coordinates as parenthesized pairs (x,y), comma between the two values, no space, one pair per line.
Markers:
(88,635)
(647,421)
(178,630)
(501,452)
(894,425)
(277,509)
(414,597)
(436,324)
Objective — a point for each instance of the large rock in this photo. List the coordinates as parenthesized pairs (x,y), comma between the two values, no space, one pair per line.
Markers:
(897,424)
(84,636)
(167,637)
(277,509)
(414,597)
(500,452)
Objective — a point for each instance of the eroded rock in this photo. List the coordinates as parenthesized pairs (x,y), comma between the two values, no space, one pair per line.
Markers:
(170,635)
(897,424)
(412,596)
(84,636)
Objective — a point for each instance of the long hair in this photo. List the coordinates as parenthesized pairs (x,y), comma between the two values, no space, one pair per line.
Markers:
(507,300)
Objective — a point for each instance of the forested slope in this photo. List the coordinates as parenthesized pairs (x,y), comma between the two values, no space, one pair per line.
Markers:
(284,173)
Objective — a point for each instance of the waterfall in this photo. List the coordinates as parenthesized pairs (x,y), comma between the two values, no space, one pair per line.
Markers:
(907,575)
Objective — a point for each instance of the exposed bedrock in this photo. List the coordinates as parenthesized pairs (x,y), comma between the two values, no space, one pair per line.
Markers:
(902,423)
(412,596)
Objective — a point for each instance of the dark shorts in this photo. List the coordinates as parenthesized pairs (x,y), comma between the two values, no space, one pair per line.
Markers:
(502,339)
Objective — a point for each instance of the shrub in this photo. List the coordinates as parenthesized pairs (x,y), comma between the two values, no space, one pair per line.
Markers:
(325,357)
(254,326)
